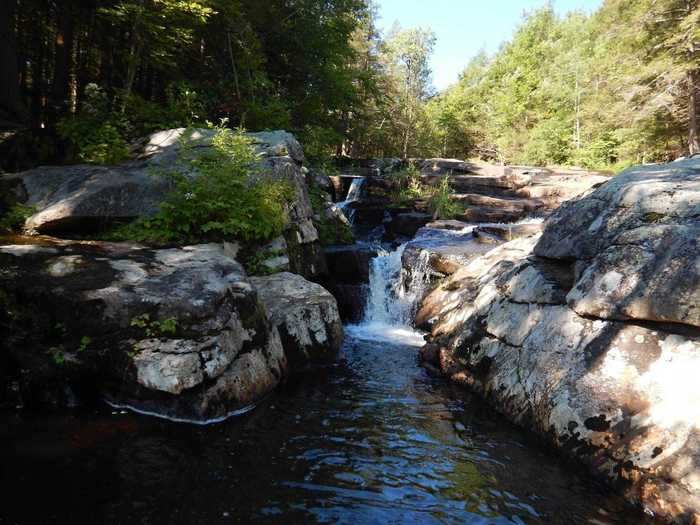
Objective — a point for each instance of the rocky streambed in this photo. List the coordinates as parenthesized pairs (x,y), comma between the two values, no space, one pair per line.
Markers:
(577,321)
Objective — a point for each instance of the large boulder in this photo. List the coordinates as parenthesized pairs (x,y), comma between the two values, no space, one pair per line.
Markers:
(636,244)
(305,314)
(589,334)
(176,332)
(80,200)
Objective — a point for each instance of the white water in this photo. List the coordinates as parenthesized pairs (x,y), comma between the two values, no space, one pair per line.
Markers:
(395,293)
(392,299)
(354,194)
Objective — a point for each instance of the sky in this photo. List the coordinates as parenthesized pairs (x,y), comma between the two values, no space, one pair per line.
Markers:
(464,27)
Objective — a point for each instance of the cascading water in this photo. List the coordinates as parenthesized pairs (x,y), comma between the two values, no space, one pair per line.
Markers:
(394,292)
(354,195)
(392,298)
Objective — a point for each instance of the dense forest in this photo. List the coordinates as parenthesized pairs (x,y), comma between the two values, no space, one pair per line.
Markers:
(81,79)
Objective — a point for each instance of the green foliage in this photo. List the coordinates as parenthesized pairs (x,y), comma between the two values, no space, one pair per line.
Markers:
(601,91)
(14,219)
(253,261)
(319,143)
(408,187)
(57,354)
(549,143)
(155,328)
(93,132)
(225,200)
(84,343)
(441,204)
(599,153)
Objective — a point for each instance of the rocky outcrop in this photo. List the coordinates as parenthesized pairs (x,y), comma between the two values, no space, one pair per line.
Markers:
(589,334)
(81,200)
(180,333)
(305,314)
(176,332)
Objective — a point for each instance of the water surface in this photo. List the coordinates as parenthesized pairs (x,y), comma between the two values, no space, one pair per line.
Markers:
(372,439)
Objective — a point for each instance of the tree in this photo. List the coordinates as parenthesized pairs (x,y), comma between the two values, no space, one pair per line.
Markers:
(407,56)
(10,101)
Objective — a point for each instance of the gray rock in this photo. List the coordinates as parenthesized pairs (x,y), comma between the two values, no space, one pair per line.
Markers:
(406,224)
(636,242)
(548,329)
(81,200)
(162,331)
(305,314)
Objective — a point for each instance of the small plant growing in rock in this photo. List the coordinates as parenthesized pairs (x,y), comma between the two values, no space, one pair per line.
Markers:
(154,328)
(57,354)
(84,343)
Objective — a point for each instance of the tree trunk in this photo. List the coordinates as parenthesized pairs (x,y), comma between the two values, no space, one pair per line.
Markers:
(63,54)
(693,136)
(10,99)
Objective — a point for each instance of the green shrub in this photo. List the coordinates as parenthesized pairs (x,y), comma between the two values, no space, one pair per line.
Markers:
(222,202)
(319,143)
(440,202)
(408,186)
(15,217)
(95,142)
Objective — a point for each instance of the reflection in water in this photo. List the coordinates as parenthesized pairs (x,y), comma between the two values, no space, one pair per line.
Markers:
(372,439)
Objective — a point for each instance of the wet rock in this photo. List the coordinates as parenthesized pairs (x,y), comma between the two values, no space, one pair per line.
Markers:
(487,214)
(446,250)
(349,264)
(305,314)
(351,300)
(444,224)
(405,224)
(588,333)
(176,332)
(508,232)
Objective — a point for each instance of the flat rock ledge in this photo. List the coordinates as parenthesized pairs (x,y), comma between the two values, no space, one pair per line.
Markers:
(589,334)
(178,333)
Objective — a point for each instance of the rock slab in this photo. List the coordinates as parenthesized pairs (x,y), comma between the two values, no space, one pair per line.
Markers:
(589,334)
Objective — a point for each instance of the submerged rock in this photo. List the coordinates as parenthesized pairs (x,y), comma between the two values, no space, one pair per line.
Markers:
(588,334)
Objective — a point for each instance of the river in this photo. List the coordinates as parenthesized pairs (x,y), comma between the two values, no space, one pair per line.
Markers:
(370,439)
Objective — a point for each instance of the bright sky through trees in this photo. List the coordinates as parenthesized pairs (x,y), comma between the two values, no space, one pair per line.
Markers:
(463,27)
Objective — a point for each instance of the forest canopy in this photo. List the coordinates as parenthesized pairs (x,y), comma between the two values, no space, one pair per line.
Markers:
(81,79)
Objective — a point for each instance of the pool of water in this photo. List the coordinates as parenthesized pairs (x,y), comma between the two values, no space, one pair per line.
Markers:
(371,439)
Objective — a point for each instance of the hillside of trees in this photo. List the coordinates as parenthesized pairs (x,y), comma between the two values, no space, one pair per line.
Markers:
(81,79)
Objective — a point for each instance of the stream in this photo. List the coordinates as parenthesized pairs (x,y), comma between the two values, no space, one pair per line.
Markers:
(370,439)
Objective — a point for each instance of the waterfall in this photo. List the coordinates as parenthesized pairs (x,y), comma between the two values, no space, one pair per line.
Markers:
(393,297)
(354,195)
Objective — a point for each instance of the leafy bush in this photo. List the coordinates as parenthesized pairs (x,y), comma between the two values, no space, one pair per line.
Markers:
(408,186)
(222,202)
(599,153)
(95,132)
(15,217)
(99,133)
(319,143)
(549,143)
(440,202)
(184,107)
